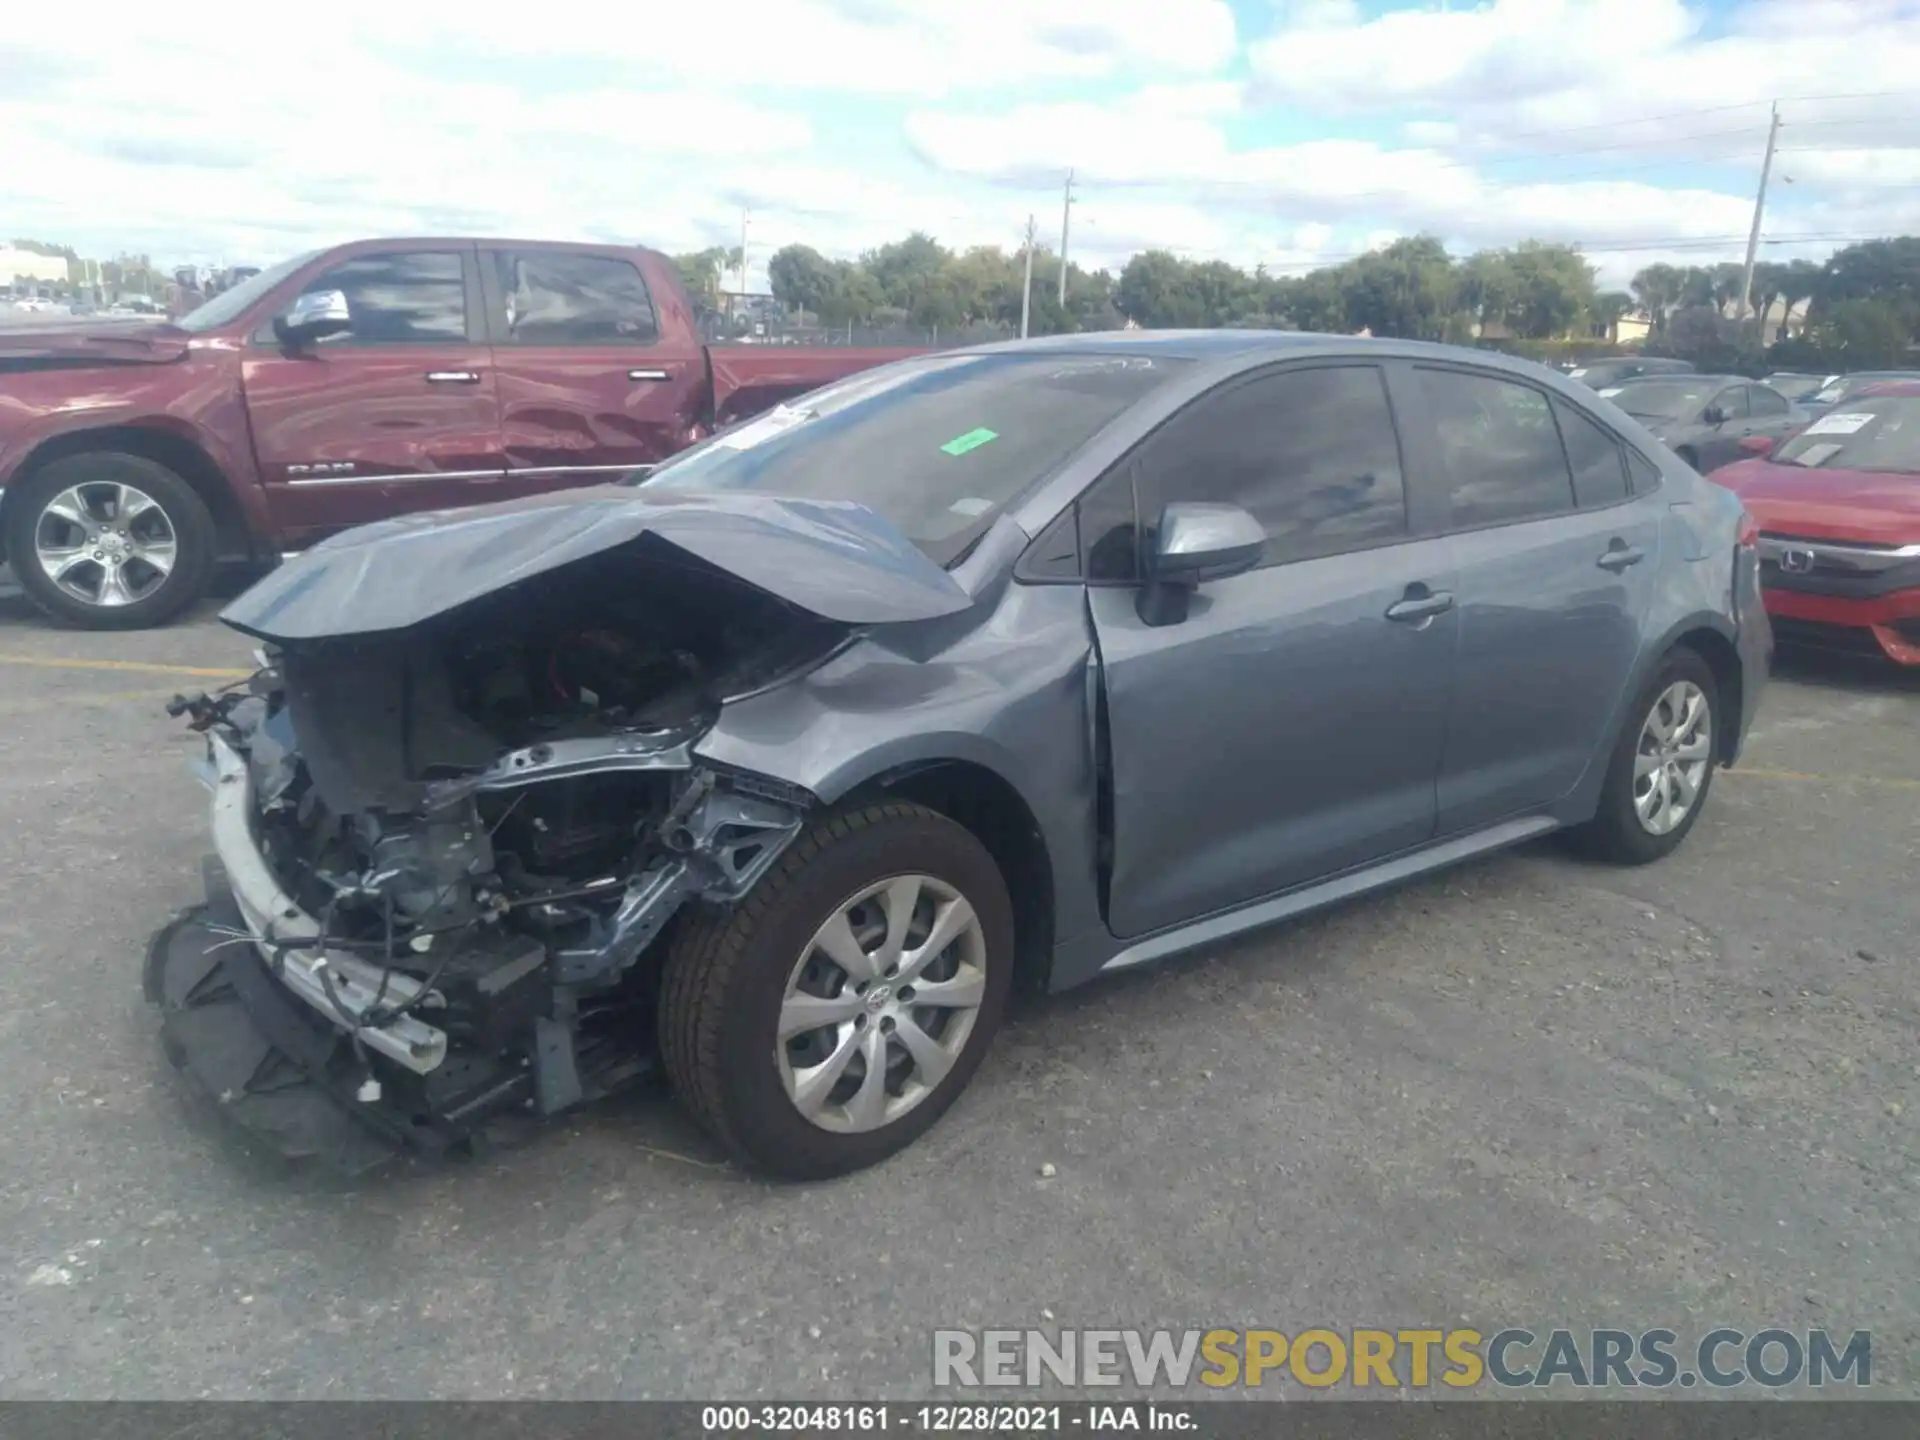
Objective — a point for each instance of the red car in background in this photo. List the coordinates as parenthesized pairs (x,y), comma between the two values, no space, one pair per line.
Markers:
(1838,505)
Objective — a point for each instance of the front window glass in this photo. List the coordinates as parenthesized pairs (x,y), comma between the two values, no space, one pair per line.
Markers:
(232,304)
(938,446)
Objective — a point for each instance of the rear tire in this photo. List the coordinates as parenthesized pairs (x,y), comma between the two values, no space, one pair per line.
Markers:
(1638,821)
(735,979)
(110,541)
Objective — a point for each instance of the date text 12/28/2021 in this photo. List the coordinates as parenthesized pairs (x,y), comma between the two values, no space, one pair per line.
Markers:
(944,1419)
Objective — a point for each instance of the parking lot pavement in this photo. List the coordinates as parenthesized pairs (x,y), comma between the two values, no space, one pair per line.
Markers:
(1530,1091)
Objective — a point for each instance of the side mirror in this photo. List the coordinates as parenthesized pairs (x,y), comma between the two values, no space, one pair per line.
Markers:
(1715,415)
(313,316)
(1195,543)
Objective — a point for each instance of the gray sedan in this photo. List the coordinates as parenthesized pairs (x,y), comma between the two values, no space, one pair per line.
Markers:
(1710,420)
(1017,665)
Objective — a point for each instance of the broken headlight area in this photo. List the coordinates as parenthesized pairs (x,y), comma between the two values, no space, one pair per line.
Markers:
(443,859)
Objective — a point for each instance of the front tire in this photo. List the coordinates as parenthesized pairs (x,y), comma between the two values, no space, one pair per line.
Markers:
(829,1019)
(1662,765)
(110,541)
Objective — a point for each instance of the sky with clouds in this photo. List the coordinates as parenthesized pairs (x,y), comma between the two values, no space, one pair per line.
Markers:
(1284,132)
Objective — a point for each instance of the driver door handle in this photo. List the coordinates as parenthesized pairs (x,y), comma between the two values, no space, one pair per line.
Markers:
(1619,557)
(1420,605)
(453,377)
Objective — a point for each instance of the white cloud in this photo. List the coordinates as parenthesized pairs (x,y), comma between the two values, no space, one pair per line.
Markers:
(236,138)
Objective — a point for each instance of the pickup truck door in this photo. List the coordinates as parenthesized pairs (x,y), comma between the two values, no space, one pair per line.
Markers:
(593,380)
(397,414)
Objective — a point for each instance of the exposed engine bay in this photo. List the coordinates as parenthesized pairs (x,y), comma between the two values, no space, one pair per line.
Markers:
(458,844)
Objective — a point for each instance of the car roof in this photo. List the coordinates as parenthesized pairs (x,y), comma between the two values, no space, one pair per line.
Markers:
(1257,347)
(1891,387)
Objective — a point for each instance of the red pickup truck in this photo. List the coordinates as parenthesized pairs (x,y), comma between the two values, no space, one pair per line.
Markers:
(344,386)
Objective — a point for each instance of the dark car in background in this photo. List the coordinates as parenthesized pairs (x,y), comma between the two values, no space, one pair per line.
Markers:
(1797,387)
(1709,420)
(1842,387)
(1839,511)
(1015,665)
(1599,374)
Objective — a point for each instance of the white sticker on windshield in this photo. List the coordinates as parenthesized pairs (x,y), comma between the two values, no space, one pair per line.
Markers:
(1614,391)
(970,505)
(1843,423)
(1576,374)
(757,432)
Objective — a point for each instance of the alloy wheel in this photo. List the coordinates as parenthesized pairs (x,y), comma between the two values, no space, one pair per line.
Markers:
(105,543)
(880,1003)
(1670,762)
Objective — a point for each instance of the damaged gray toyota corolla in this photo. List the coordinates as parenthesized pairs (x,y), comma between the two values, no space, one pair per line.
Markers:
(783,766)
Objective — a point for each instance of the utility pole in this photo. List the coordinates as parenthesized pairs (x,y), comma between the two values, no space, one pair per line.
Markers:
(1026,290)
(1753,236)
(1066,212)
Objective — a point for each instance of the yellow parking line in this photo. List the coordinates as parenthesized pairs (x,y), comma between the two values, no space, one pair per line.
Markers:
(145,667)
(102,697)
(1744,772)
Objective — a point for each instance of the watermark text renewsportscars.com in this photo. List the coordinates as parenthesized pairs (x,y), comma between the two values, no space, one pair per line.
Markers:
(1721,1358)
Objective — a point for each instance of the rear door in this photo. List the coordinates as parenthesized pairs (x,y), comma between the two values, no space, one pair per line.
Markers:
(1287,728)
(1555,562)
(589,389)
(397,414)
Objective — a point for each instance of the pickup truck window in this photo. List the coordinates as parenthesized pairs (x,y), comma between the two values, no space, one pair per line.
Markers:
(400,299)
(555,297)
(232,304)
(937,445)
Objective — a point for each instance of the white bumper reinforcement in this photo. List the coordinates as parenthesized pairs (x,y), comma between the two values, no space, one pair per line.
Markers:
(272,916)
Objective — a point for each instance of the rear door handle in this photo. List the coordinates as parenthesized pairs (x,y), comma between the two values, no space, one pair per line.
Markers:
(1420,605)
(647,375)
(1619,557)
(453,377)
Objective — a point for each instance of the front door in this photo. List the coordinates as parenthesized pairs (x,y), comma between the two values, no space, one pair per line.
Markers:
(1556,561)
(588,389)
(397,414)
(1287,728)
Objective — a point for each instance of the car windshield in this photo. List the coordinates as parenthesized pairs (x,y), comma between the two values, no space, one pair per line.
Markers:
(1664,399)
(1880,432)
(938,445)
(232,304)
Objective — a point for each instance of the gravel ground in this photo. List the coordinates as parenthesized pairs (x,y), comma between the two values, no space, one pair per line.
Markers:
(1528,1092)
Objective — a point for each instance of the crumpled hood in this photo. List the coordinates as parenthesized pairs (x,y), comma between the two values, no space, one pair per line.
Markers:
(115,342)
(836,560)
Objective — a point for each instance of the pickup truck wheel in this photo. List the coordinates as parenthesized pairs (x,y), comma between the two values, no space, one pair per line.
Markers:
(829,1018)
(109,541)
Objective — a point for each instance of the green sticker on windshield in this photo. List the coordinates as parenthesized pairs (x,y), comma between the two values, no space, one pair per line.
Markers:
(972,440)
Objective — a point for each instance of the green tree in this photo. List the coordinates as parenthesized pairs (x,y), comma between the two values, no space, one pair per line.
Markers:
(1864,334)
(1887,271)
(1408,289)
(1658,288)
(700,272)
(1155,292)
(802,278)
(1536,290)
(1610,308)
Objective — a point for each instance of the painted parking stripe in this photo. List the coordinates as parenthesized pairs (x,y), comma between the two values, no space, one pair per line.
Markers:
(141,667)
